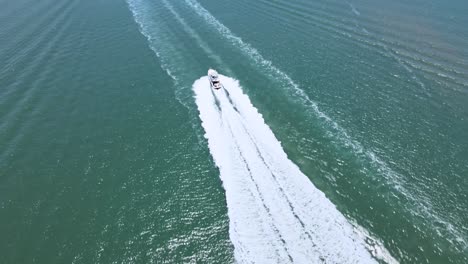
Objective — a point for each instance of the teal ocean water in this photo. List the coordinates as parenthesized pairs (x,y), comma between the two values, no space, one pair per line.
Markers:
(341,134)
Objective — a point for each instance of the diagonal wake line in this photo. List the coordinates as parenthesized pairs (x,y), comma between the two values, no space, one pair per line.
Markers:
(192,33)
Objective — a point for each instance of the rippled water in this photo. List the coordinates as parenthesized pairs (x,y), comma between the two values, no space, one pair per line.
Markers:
(342,136)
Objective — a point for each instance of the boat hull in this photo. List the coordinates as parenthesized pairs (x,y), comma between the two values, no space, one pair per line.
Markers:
(214,79)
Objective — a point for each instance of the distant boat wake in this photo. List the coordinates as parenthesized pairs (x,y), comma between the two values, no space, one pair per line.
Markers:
(276,214)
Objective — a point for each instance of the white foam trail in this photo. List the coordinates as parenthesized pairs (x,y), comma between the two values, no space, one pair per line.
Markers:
(276,214)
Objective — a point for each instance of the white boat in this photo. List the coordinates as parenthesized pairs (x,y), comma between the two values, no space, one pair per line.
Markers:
(214,79)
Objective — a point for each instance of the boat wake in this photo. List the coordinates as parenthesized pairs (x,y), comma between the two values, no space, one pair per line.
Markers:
(276,214)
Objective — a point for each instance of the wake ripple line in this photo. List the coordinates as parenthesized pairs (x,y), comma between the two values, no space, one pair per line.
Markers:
(194,34)
(137,9)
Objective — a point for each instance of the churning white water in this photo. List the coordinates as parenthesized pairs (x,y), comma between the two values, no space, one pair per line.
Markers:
(276,214)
